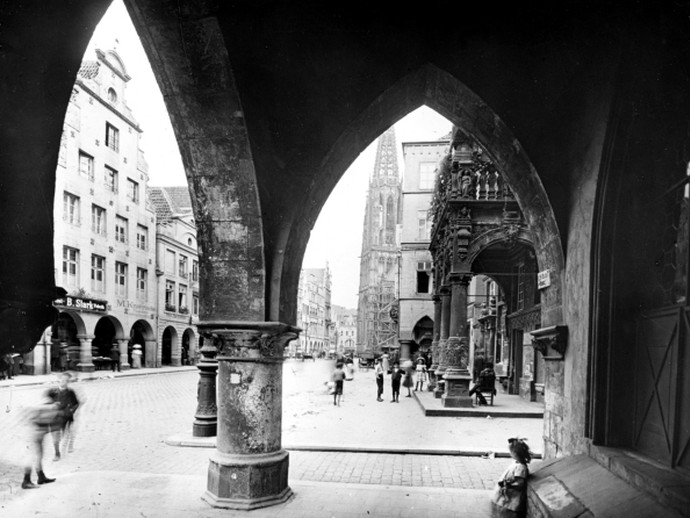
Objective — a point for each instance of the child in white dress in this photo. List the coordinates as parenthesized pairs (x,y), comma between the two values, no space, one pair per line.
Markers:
(509,497)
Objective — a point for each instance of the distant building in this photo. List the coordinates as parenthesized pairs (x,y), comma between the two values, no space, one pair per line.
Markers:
(344,330)
(177,274)
(104,255)
(378,282)
(105,234)
(313,313)
(416,320)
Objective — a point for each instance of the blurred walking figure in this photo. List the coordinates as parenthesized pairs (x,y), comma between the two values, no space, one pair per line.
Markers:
(378,373)
(337,377)
(68,403)
(41,418)
(115,357)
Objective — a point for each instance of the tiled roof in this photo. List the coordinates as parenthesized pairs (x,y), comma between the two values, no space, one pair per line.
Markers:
(169,202)
(89,69)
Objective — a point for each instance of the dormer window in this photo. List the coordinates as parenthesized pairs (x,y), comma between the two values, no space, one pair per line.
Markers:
(112,95)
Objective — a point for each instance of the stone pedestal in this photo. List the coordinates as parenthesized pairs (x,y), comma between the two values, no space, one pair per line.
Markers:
(206,416)
(249,469)
(457,376)
(248,481)
(136,356)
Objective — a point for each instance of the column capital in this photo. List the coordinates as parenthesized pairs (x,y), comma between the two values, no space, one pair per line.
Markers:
(436,298)
(248,341)
(460,278)
(444,290)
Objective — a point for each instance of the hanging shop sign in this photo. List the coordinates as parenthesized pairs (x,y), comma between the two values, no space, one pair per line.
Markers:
(82,304)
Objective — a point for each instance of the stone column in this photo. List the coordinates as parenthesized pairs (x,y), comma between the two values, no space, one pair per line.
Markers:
(405,347)
(85,356)
(249,468)
(151,353)
(434,342)
(442,342)
(457,375)
(124,360)
(206,416)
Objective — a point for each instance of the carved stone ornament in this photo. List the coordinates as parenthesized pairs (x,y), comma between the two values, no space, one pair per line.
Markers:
(253,341)
(551,342)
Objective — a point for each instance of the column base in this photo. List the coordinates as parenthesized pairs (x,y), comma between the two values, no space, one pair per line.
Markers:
(125,366)
(86,367)
(247,482)
(457,389)
(205,428)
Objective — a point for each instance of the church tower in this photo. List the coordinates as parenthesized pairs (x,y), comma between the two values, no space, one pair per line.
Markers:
(378,271)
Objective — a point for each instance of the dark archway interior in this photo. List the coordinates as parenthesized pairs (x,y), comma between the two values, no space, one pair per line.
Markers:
(104,337)
(167,345)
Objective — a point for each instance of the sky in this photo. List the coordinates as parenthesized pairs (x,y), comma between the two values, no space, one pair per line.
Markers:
(336,238)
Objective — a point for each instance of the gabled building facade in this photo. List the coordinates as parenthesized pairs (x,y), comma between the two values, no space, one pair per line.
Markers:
(177,275)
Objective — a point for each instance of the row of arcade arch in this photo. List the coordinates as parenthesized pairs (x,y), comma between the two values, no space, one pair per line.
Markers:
(86,342)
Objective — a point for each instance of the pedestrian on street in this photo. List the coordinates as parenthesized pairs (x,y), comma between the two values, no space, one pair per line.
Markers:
(421,374)
(396,377)
(41,418)
(68,402)
(408,380)
(115,358)
(378,373)
(385,363)
(9,361)
(338,377)
(510,495)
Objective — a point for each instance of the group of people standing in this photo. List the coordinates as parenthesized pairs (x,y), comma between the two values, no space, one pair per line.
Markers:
(399,375)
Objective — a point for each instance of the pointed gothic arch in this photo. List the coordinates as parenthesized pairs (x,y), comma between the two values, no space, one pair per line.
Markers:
(447,95)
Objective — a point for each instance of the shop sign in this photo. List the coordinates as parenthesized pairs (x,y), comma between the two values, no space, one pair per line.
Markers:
(544,279)
(133,306)
(82,304)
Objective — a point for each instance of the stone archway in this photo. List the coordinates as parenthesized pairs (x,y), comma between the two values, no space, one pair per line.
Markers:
(141,334)
(188,351)
(447,95)
(168,345)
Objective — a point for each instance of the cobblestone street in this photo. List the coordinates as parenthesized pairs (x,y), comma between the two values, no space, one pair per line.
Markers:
(124,422)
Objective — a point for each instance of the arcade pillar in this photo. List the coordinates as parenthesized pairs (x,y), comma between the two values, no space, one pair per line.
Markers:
(249,468)
(457,375)
(85,355)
